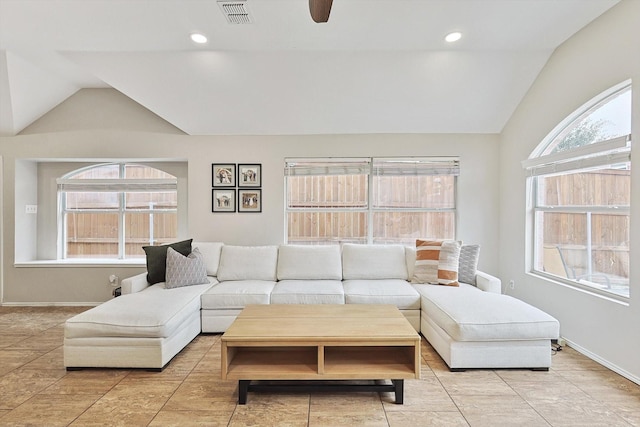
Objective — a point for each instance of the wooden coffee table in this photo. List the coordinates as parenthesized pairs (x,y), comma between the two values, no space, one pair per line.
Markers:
(315,347)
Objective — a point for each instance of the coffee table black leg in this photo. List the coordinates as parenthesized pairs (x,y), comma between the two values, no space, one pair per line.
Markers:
(243,390)
(399,389)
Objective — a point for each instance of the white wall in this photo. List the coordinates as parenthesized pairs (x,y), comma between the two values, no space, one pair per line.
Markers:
(26,193)
(600,56)
(477,185)
(1,227)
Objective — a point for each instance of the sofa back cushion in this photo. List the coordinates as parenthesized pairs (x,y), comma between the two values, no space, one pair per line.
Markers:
(211,253)
(301,262)
(410,256)
(373,262)
(248,263)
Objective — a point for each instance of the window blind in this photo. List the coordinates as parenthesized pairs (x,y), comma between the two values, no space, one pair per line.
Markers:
(581,164)
(416,166)
(331,166)
(117,185)
(613,151)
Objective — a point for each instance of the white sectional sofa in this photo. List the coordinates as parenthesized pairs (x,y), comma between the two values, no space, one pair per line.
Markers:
(471,326)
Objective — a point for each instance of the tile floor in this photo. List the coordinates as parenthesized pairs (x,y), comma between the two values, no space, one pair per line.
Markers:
(36,390)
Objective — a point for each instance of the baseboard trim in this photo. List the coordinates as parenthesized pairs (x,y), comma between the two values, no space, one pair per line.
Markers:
(50,304)
(603,362)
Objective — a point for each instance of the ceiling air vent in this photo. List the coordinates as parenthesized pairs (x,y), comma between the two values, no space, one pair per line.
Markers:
(235,11)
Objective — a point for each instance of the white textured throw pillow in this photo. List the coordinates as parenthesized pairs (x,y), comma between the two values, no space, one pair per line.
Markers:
(185,270)
(468,264)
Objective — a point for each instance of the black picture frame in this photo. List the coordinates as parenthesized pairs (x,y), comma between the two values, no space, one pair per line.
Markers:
(223,200)
(249,200)
(223,175)
(249,175)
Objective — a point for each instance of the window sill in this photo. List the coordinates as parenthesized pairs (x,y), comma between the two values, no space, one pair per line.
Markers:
(82,263)
(577,286)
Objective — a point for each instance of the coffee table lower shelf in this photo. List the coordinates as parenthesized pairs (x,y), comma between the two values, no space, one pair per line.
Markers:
(303,386)
(320,368)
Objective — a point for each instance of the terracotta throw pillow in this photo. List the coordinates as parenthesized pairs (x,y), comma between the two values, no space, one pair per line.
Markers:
(437,262)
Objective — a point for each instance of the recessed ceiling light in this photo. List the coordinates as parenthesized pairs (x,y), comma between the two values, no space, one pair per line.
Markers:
(198,38)
(453,37)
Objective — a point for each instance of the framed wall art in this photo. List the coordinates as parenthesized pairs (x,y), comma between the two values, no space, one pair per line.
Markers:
(249,175)
(223,175)
(223,200)
(249,200)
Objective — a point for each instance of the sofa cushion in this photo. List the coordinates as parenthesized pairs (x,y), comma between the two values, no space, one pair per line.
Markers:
(468,263)
(211,253)
(383,291)
(468,314)
(410,257)
(373,262)
(157,259)
(309,262)
(248,263)
(436,262)
(308,292)
(237,294)
(155,312)
(185,270)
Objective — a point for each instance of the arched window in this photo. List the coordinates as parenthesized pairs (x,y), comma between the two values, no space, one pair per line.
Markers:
(112,210)
(580,178)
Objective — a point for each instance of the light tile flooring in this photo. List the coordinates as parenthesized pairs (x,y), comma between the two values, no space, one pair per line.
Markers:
(36,390)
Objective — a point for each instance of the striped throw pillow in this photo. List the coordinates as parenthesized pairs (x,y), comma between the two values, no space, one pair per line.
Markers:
(437,262)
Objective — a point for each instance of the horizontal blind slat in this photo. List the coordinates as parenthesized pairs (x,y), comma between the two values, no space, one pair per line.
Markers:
(117,185)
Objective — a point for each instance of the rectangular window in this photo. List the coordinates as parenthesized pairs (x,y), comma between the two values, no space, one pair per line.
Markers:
(327,200)
(582,226)
(371,200)
(413,198)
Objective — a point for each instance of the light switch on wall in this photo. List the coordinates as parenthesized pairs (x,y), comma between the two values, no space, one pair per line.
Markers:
(31,209)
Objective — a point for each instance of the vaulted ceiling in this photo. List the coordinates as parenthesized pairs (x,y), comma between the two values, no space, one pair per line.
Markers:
(377,66)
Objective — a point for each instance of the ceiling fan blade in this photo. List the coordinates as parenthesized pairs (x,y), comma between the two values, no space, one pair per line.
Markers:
(320,10)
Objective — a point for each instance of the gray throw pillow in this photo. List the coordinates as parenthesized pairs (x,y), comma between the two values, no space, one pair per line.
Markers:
(185,270)
(468,264)
(157,259)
